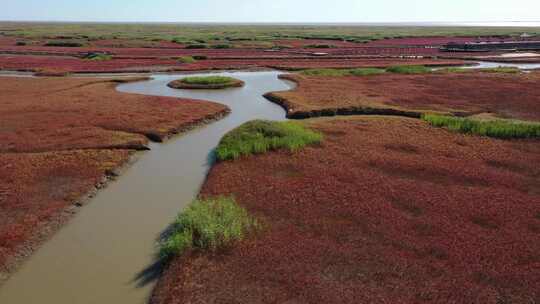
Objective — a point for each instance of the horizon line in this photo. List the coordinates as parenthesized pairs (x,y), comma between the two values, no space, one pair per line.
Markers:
(277,22)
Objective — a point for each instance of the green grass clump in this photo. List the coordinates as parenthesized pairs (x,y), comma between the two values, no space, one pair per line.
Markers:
(200,57)
(208,224)
(492,128)
(320,46)
(196,46)
(208,80)
(98,57)
(342,72)
(187,59)
(366,71)
(221,46)
(64,44)
(409,69)
(260,136)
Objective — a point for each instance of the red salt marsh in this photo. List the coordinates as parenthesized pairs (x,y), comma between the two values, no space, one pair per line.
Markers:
(507,95)
(386,210)
(145,56)
(72,64)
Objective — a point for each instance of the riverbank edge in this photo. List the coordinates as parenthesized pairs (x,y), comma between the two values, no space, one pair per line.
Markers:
(25,251)
(292,113)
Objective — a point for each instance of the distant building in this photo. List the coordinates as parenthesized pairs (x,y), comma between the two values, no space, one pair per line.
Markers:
(492,46)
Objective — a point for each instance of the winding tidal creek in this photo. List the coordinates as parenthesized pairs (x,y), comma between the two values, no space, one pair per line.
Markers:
(106,252)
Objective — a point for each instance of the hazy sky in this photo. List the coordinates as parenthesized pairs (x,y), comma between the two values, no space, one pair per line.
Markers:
(271,10)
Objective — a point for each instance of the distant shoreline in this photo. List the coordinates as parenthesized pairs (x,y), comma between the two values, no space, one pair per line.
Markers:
(523,24)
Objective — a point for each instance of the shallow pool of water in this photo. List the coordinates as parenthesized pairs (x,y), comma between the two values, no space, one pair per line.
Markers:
(486,65)
(98,256)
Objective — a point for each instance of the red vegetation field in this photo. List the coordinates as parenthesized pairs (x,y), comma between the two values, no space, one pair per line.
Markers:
(144,56)
(507,95)
(437,41)
(37,189)
(133,64)
(73,64)
(300,64)
(60,137)
(387,210)
(73,113)
(302,43)
(148,56)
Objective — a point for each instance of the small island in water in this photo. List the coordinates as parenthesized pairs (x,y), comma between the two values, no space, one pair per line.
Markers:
(206,82)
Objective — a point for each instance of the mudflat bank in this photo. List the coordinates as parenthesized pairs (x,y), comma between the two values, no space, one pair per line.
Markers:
(509,95)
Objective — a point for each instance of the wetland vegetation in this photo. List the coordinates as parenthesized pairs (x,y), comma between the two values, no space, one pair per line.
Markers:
(409,69)
(298,178)
(208,224)
(504,70)
(492,128)
(203,33)
(260,136)
(206,82)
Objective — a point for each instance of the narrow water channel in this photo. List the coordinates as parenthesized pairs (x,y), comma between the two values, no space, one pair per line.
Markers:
(96,257)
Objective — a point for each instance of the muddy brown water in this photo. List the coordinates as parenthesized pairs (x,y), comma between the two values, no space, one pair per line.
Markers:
(98,256)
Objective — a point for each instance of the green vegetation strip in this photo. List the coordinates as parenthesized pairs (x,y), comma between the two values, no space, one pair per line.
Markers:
(260,136)
(208,224)
(491,128)
(404,69)
(64,44)
(504,70)
(409,69)
(184,33)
